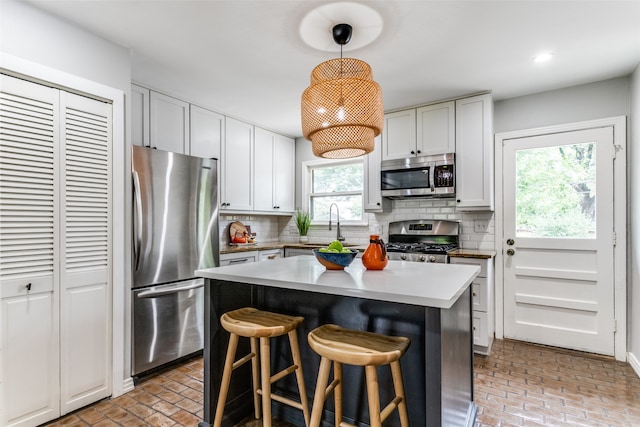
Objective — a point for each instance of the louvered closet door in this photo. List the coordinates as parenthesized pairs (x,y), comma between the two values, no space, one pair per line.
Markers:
(85,246)
(29,361)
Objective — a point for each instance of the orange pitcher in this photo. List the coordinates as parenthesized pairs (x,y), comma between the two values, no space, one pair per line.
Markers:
(375,256)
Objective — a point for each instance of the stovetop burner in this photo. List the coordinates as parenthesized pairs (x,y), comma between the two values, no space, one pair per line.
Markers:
(422,240)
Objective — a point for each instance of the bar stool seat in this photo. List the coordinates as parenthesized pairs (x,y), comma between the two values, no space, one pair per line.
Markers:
(260,326)
(346,346)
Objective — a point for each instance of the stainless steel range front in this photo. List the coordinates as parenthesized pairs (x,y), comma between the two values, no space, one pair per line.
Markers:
(422,240)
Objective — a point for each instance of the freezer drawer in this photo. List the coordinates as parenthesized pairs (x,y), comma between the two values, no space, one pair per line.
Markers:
(168,323)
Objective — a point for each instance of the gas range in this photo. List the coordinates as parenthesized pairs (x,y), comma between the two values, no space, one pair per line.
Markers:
(422,240)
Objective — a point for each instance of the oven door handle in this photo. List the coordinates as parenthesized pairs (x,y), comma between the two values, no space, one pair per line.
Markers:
(169,291)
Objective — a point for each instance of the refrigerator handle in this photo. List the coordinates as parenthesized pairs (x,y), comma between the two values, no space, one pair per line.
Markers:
(161,292)
(137,220)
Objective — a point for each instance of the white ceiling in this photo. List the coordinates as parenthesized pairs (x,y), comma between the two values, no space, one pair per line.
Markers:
(246,59)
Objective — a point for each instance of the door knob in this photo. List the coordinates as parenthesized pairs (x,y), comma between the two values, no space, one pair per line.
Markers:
(510,252)
(510,242)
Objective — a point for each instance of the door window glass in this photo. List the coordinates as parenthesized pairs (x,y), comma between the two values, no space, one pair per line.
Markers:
(556,191)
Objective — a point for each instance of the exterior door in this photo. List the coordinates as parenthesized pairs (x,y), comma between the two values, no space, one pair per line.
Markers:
(558,239)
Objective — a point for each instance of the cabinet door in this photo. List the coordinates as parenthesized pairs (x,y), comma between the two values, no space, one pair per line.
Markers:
(373,201)
(140,116)
(206,132)
(237,166)
(436,130)
(399,135)
(264,171)
(29,362)
(169,121)
(85,297)
(474,153)
(284,158)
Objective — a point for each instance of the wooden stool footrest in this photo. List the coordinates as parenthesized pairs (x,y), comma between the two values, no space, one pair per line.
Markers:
(242,361)
(330,388)
(388,410)
(291,369)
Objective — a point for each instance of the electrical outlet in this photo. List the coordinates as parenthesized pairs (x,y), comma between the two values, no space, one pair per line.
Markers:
(480,226)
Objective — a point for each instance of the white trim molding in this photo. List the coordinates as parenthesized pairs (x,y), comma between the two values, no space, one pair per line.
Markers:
(619,125)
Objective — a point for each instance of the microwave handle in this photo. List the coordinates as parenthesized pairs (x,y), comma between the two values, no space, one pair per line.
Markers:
(432,177)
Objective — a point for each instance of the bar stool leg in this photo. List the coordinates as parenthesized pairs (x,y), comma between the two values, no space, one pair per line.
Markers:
(337,393)
(373,395)
(226,377)
(319,396)
(255,375)
(265,361)
(297,360)
(398,385)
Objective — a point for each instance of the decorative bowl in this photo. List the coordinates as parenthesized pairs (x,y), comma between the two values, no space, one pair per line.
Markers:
(335,260)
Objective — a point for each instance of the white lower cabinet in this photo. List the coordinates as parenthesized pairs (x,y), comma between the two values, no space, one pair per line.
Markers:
(270,254)
(288,252)
(483,311)
(238,258)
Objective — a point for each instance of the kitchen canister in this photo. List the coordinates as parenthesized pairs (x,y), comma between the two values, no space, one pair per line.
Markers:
(375,256)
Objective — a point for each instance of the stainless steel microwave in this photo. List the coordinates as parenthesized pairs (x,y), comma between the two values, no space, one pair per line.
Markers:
(425,176)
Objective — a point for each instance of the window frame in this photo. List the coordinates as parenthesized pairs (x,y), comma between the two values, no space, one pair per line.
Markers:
(307,168)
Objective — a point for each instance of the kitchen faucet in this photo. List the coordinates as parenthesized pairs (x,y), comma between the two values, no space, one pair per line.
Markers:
(338,234)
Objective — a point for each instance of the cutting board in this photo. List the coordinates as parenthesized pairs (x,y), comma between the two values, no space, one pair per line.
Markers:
(236,228)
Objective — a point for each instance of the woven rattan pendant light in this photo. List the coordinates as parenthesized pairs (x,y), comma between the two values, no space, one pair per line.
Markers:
(342,109)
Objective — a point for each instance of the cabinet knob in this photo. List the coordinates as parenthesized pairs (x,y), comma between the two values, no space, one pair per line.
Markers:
(378,203)
(419,151)
(458,201)
(28,287)
(413,152)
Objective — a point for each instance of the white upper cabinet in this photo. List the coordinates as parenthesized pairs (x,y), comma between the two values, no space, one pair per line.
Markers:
(274,172)
(169,121)
(206,133)
(140,116)
(436,129)
(399,135)
(237,167)
(373,200)
(474,153)
(420,131)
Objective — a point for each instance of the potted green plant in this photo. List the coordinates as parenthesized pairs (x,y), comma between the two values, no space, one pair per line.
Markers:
(303,222)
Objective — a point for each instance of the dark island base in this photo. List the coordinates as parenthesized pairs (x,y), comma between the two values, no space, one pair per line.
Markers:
(437,368)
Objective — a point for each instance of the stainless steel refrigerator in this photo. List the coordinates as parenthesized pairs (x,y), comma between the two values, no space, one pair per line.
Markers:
(175,232)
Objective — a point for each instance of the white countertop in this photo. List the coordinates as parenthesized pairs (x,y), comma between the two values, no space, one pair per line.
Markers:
(417,283)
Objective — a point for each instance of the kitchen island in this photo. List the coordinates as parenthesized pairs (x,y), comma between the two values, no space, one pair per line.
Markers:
(429,303)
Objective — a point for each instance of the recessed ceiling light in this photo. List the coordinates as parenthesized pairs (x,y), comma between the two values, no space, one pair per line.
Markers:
(543,57)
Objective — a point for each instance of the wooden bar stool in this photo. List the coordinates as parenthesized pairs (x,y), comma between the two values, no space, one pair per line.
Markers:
(346,346)
(255,324)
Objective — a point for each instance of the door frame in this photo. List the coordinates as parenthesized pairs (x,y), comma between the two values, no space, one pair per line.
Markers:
(619,125)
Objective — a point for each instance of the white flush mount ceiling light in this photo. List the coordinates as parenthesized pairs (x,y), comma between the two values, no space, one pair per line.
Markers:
(318,23)
(543,57)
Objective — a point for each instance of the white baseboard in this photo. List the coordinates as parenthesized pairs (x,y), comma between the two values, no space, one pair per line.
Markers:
(634,362)
(127,385)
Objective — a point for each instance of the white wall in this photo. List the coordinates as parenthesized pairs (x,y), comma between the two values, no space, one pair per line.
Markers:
(37,44)
(598,100)
(634,219)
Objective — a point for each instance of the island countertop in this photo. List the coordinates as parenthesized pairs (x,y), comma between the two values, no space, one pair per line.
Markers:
(423,284)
